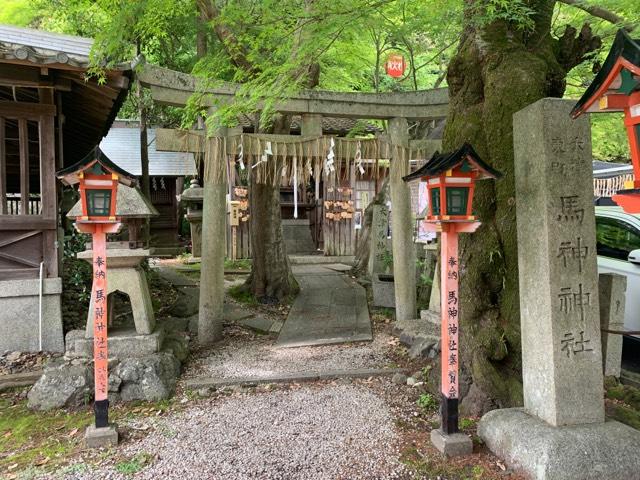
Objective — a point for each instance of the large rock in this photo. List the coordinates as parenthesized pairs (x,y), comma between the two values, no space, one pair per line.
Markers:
(62,385)
(150,378)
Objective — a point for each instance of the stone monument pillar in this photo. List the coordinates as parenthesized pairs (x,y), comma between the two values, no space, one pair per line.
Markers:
(560,433)
(379,227)
(613,289)
(559,304)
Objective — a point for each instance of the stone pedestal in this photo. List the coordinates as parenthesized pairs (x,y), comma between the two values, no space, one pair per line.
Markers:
(596,451)
(104,437)
(452,445)
(613,289)
(123,343)
(561,432)
(126,276)
(382,286)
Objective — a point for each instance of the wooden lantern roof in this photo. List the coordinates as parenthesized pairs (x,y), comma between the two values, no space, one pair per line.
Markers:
(619,75)
(441,163)
(70,175)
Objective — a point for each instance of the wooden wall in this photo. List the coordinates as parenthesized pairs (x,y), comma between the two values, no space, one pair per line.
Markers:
(27,168)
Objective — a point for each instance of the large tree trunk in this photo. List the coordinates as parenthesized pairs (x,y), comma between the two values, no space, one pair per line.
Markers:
(271,279)
(498,70)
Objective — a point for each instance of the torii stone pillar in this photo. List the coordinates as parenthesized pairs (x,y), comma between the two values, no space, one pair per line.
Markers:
(214,213)
(404,251)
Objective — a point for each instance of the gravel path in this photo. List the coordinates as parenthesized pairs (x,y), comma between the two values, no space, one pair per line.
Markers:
(258,357)
(316,432)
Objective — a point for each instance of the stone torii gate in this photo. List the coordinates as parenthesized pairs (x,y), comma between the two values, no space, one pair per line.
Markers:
(173,88)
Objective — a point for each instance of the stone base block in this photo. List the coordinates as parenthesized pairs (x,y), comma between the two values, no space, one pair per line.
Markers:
(588,452)
(455,445)
(101,437)
(383,288)
(20,315)
(122,344)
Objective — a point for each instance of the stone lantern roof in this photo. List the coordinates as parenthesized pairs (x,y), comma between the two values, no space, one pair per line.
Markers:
(130,203)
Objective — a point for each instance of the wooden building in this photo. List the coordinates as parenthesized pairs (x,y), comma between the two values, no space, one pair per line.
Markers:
(51,115)
(166,171)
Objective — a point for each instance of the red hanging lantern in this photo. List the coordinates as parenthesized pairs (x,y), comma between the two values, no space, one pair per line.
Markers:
(395,65)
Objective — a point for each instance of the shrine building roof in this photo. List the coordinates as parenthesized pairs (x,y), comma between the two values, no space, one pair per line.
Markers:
(620,74)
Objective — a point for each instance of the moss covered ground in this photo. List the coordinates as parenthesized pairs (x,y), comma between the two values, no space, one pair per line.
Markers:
(33,441)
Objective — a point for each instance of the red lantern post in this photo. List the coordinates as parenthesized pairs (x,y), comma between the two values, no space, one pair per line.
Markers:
(98,178)
(450,179)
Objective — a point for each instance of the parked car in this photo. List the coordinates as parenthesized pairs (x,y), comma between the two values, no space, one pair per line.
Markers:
(618,247)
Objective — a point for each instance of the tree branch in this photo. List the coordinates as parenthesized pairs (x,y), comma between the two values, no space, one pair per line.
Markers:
(234,49)
(600,12)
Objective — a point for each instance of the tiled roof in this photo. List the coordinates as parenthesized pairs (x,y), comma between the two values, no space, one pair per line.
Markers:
(122,146)
(43,47)
(40,47)
(610,169)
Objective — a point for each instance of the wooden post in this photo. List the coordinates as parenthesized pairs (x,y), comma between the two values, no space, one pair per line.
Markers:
(3,169)
(100,325)
(449,308)
(23,140)
(48,187)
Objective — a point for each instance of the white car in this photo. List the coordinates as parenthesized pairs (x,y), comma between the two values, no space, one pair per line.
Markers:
(618,246)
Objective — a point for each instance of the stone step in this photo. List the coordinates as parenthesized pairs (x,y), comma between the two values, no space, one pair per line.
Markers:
(319,259)
(298,377)
(14,380)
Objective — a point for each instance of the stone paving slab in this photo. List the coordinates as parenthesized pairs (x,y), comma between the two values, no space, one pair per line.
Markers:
(330,308)
(299,377)
(257,323)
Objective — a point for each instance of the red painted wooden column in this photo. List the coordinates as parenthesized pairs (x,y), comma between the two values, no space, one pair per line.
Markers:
(100,351)
(100,316)
(449,305)
(450,313)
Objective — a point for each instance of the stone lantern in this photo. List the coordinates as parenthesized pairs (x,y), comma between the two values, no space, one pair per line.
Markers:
(124,258)
(193,197)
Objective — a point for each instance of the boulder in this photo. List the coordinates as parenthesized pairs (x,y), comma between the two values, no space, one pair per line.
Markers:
(151,378)
(62,385)
(176,343)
